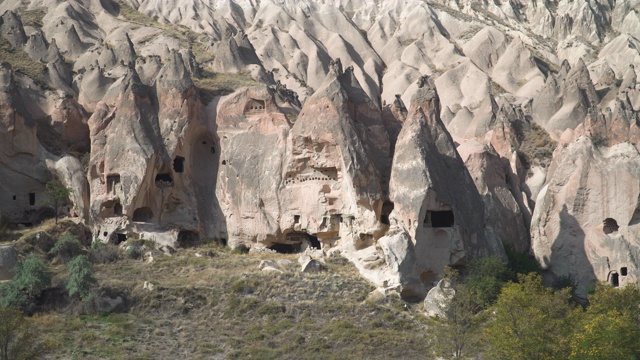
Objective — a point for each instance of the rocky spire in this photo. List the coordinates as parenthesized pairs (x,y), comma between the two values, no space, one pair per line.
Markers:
(11,29)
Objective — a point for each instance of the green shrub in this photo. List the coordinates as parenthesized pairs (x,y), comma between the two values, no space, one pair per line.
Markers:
(486,278)
(30,279)
(81,281)
(66,248)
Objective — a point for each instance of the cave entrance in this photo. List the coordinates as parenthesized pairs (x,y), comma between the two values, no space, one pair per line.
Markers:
(295,243)
(117,209)
(439,219)
(164,180)
(187,238)
(387,208)
(143,214)
(178,164)
(614,279)
(119,238)
(610,226)
(286,248)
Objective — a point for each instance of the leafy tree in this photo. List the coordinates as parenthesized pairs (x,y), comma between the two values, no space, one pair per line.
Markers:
(18,340)
(611,326)
(486,278)
(66,248)
(457,335)
(30,279)
(530,321)
(57,195)
(81,281)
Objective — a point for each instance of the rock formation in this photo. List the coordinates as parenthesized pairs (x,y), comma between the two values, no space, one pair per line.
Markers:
(434,197)
(296,124)
(585,224)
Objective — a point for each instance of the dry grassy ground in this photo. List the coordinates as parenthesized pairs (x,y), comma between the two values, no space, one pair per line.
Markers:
(225,307)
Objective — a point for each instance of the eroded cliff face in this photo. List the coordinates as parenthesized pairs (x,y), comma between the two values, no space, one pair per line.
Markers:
(316,173)
(343,145)
(585,224)
(154,159)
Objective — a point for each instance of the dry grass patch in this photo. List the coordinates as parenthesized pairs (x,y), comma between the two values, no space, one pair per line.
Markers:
(225,306)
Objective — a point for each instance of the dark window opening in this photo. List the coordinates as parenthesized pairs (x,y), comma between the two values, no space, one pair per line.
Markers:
(112,181)
(178,164)
(296,219)
(143,214)
(188,238)
(615,281)
(32,199)
(213,150)
(610,226)
(117,209)
(120,238)
(439,219)
(105,233)
(623,271)
(224,162)
(204,143)
(14,197)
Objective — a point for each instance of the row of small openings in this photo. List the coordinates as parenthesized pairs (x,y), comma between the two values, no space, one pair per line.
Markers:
(439,219)
(32,198)
(292,180)
(615,278)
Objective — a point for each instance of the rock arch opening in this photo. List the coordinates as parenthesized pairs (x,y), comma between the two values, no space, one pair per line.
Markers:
(188,238)
(610,226)
(143,214)
(614,279)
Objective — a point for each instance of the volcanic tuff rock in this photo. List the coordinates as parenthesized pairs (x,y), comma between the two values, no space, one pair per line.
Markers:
(585,224)
(434,197)
(181,152)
